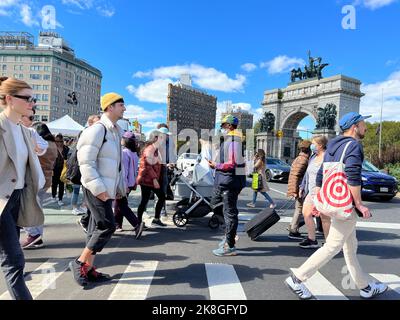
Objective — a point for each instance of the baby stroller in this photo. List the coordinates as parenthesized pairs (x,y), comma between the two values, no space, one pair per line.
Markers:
(195,187)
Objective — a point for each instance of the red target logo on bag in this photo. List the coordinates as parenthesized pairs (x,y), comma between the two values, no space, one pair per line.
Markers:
(335,199)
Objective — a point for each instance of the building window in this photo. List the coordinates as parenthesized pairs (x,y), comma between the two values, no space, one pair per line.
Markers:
(36,87)
(56,70)
(35,76)
(37,59)
(36,68)
(19,67)
(45,97)
(4,67)
(46,68)
(47,59)
(56,89)
(45,118)
(18,59)
(57,79)
(46,77)
(55,99)
(46,87)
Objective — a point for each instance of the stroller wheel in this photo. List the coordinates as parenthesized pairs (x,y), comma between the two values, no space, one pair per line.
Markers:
(214,222)
(180,219)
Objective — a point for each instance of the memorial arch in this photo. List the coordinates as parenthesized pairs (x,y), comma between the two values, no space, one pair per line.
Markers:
(299,100)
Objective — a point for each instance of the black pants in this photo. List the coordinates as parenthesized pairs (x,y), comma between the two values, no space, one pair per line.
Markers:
(101,223)
(56,182)
(146,192)
(121,210)
(229,197)
(11,255)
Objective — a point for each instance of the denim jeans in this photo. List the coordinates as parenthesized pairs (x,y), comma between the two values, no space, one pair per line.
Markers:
(11,256)
(75,195)
(266,196)
(229,197)
(38,230)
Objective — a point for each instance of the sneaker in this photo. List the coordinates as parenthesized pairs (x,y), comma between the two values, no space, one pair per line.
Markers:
(298,288)
(309,244)
(79,221)
(373,289)
(119,229)
(31,241)
(225,251)
(158,223)
(251,205)
(82,209)
(95,276)
(145,228)
(53,199)
(77,212)
(60,203)
(139,230)
(295,236)
(272,206)
(221,244)
(80,272)
(37,245)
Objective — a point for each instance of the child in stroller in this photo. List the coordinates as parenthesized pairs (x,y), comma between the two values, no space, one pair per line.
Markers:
(195,187)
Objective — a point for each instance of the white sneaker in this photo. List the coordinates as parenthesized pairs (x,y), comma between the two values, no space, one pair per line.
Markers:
(251,205)
(298,288)
(373,289)
(76,212)
(82,209)
(60,203)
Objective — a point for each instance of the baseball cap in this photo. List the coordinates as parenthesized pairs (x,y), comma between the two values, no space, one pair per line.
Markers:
(164,131)
(350,119)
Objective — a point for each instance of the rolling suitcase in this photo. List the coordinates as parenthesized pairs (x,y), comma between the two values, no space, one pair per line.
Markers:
(261,223)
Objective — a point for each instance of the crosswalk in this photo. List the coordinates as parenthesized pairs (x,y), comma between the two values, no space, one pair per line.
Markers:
(223,282)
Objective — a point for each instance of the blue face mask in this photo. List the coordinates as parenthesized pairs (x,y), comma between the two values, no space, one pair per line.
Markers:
(313,148)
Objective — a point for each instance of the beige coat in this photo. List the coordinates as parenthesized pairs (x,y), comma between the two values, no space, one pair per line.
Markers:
(260,168)
(30,213)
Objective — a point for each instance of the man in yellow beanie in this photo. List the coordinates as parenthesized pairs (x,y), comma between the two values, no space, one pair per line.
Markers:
(99,158)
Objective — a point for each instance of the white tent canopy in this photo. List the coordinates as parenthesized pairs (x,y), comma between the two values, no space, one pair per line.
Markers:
(66,126)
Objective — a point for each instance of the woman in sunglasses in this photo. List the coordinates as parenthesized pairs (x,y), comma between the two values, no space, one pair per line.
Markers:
(41,145)
(21,180)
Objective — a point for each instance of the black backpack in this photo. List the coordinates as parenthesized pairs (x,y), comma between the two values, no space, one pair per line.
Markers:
(73,171)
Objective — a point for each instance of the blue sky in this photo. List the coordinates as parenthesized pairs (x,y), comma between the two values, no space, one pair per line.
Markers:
(235,50)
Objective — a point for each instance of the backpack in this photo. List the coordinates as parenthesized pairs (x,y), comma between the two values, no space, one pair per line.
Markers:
(73,171)
(334,198)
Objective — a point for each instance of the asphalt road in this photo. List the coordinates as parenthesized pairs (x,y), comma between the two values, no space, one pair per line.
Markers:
(177,264)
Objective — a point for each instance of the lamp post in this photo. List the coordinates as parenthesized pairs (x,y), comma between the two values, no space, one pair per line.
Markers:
(380,132)
(73,101)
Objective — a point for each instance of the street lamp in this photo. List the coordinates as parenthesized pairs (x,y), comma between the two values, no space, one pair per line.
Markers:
(72,97)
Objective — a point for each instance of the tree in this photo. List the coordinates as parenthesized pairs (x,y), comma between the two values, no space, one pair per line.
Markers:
(390,143)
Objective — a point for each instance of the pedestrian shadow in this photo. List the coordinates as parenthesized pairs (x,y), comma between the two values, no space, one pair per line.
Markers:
(368,235)
(380,251)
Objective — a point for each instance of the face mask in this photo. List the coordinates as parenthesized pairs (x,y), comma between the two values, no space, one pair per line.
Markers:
(313,148)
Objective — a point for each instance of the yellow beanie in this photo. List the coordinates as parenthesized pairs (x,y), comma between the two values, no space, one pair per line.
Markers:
(108,99)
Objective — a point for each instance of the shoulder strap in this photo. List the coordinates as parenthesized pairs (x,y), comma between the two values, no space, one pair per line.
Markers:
(345,150)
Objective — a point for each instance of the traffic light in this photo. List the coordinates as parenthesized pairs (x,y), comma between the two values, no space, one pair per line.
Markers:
(279,134)
(72,98)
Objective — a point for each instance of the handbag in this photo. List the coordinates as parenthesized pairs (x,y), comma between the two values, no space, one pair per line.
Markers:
(334,198)
(257,183)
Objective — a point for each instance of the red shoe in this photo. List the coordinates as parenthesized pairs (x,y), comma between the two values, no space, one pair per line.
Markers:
(32,242)
(95,276)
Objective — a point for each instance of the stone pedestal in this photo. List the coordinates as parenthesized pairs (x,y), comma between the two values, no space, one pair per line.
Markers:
(329,134)
(266,141)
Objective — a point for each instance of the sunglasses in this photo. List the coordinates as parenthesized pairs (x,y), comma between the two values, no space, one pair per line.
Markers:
(28,99)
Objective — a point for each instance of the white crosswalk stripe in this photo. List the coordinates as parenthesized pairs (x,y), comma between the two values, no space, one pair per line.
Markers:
(43,278)
(135,282)
(223,282)
(322,289)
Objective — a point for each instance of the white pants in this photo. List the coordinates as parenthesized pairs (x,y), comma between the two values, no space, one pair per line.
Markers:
(342,234)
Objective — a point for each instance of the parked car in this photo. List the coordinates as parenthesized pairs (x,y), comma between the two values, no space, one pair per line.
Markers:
(377,184)
(277,170)
(186,160)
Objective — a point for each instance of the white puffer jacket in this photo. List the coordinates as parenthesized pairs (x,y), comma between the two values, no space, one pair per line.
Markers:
(100,164)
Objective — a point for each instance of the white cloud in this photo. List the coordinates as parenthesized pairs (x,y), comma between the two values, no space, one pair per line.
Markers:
(204,77)
(282,64)
(154,91)
(8,3)
(372,101)
(139,113)
(150,124)
(81,4)
(376,4)
(26,16)
(249,67)
(106,11)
